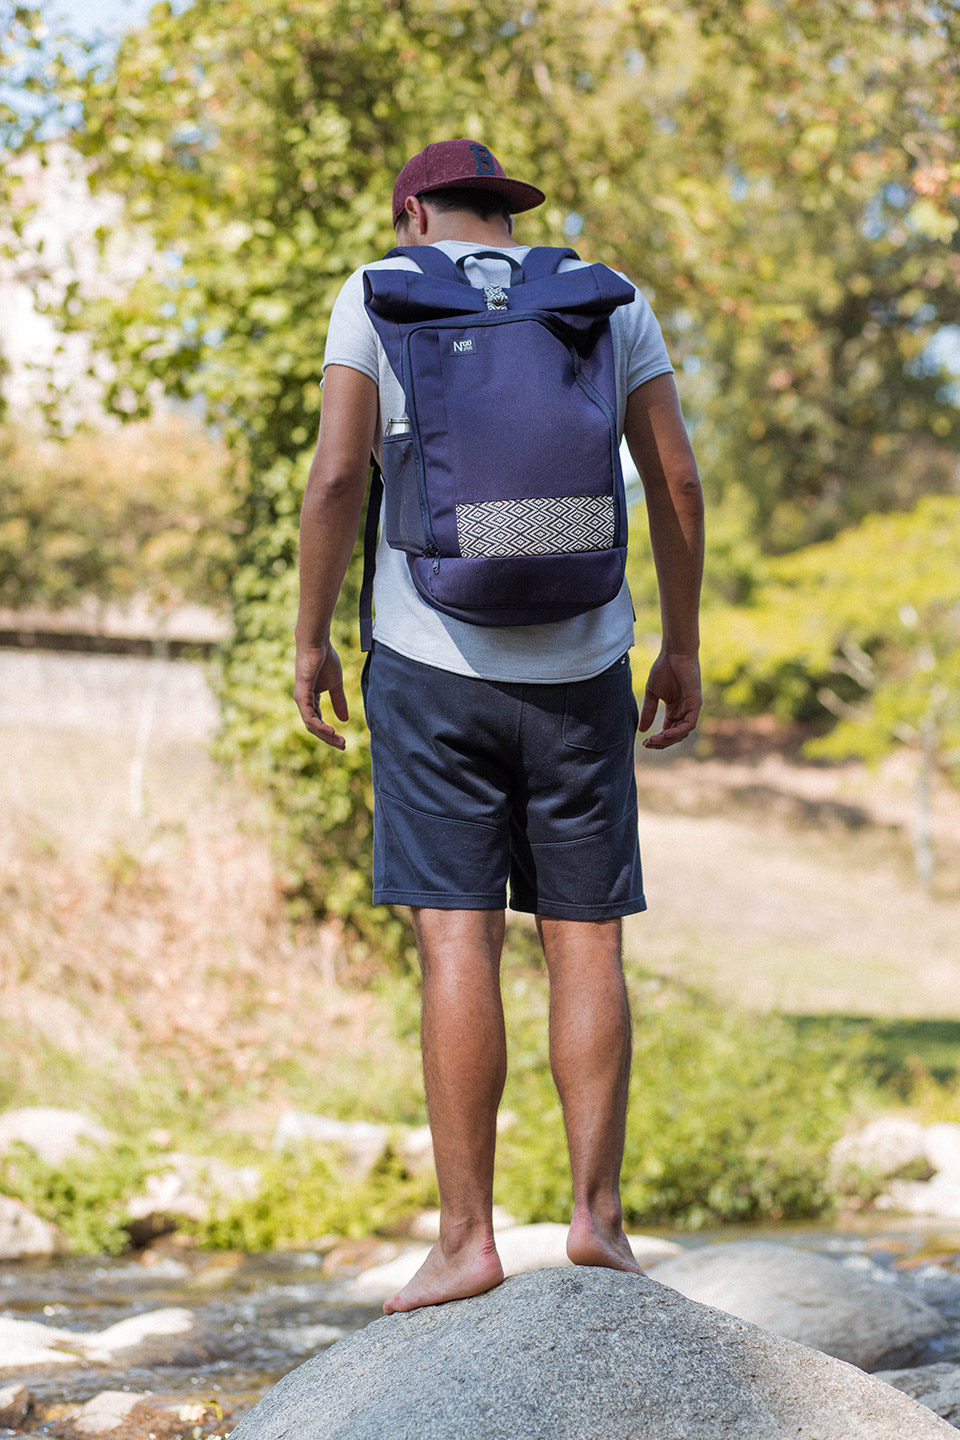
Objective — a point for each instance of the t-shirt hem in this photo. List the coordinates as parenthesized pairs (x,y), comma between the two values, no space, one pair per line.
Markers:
(595,667)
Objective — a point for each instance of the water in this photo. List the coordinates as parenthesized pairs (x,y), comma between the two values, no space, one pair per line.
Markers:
(257,1317)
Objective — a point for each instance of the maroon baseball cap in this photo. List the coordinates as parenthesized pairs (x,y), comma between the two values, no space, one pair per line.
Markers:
(456,164)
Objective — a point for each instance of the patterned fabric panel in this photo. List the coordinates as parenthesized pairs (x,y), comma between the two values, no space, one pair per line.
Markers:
(543,526)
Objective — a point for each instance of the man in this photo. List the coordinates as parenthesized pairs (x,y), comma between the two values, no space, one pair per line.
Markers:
(502,750)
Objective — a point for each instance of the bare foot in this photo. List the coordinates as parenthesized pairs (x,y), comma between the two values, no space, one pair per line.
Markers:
(591,1243)
(470,1270)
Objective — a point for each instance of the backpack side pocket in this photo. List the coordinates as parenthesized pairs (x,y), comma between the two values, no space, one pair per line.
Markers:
(403,517)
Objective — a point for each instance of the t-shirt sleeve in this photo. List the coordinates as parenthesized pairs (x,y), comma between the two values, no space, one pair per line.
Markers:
(646,352)
(351,338)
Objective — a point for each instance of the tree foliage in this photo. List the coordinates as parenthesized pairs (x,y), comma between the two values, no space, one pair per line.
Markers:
(783,180)
(148,512)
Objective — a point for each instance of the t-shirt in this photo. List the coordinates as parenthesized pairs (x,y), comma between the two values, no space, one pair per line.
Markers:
(564,650)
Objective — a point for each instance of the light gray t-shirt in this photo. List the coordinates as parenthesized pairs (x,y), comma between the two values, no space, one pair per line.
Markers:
(564,650)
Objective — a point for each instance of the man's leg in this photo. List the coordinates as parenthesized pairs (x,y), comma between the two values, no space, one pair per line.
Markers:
(590,1059)
(464,1066)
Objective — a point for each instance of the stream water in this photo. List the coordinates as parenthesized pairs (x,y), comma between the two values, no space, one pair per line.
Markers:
(256,1317)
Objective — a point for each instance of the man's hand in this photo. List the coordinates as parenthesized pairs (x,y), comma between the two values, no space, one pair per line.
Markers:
(674,679)
(319,669)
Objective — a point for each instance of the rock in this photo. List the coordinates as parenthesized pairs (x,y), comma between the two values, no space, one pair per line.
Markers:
(939,1196)
(807,1298)
(106,1411)
(878,1150)
(55,1135)
(23,1234)
(521,1247)
(943,1148)
(135,1416)
(361,1143)
(936,1386)
(14,1404)
(188,1186)
(415,1148)
(25,1343)
(586,1353)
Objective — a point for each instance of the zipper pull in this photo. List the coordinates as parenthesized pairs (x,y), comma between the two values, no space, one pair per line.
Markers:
(436,565)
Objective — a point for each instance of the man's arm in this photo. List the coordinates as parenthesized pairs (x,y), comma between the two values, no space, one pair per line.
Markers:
(658,441)
(328,528)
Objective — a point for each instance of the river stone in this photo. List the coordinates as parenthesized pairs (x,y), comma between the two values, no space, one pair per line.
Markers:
(939,1196)
(189,1186)
(808,1298)
(14,1404)
(521,1248)
(26,1343)
(879,1149)
(585,1353)
(24,1234)
(936,1386)
(943,1147)
(53,1134)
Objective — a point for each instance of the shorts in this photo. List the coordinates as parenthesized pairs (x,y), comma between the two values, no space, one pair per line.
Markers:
(481,784)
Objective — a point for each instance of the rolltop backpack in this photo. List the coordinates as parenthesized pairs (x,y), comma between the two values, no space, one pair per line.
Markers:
(502,481)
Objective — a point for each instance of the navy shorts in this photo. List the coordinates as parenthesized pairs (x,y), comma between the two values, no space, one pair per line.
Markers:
(483,783)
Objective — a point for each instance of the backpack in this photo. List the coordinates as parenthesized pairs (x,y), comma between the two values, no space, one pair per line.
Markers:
(503,479)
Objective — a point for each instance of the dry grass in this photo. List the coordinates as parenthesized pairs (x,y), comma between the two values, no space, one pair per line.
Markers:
(128,943)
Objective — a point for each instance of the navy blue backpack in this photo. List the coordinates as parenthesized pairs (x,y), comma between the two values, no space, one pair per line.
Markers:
(503,479)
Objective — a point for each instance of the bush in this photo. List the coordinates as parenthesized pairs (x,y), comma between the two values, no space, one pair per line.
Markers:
(147,511)
(731,1116)
(85,1196)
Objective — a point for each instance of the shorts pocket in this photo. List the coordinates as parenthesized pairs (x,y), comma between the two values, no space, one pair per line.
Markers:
(601,713)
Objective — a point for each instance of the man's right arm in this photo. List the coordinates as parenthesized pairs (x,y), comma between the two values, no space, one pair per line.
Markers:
(658,441)
(329,522)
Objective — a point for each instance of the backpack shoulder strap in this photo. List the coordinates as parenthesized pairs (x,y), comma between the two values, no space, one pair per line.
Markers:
(544,260)
(430,260)
(370,528)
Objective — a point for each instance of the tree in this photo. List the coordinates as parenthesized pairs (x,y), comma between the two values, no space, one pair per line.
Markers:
(781,178)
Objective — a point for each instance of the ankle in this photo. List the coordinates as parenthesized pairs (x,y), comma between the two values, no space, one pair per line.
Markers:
(604,1215)
(466,1233)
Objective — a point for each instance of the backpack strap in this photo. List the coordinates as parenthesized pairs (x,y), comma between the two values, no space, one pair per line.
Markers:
(371,525)
(544,260)
(430,260)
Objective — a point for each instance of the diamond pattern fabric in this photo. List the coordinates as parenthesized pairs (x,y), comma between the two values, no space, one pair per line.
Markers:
(558,525)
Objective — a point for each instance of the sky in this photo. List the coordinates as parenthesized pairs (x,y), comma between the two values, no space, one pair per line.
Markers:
(90,18)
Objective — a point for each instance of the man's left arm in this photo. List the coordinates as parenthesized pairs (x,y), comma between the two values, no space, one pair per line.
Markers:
(329,521)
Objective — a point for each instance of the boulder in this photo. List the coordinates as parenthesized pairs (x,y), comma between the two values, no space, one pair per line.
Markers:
(521,1247)
(191,1187)
(595,1354)
(53,1134)
(808,1298)
(936,1386)
(942,1143)
(360,1142)
(14,1404)
(26,1343)
(23,1234)
(878,1150)
(103,1412)
(939,1196)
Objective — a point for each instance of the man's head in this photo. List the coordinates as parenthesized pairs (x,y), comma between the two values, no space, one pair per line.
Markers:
(459,175)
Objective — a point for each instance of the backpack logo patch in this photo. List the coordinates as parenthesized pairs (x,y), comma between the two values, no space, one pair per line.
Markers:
(464,347)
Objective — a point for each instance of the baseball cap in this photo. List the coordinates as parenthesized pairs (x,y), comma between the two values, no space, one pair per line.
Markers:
(450,164)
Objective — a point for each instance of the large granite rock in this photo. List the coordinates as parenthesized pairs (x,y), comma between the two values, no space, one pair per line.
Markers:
(582,1354)
(810,1299)
(937,1386)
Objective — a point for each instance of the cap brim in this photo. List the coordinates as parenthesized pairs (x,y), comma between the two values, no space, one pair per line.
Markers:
(517,193)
